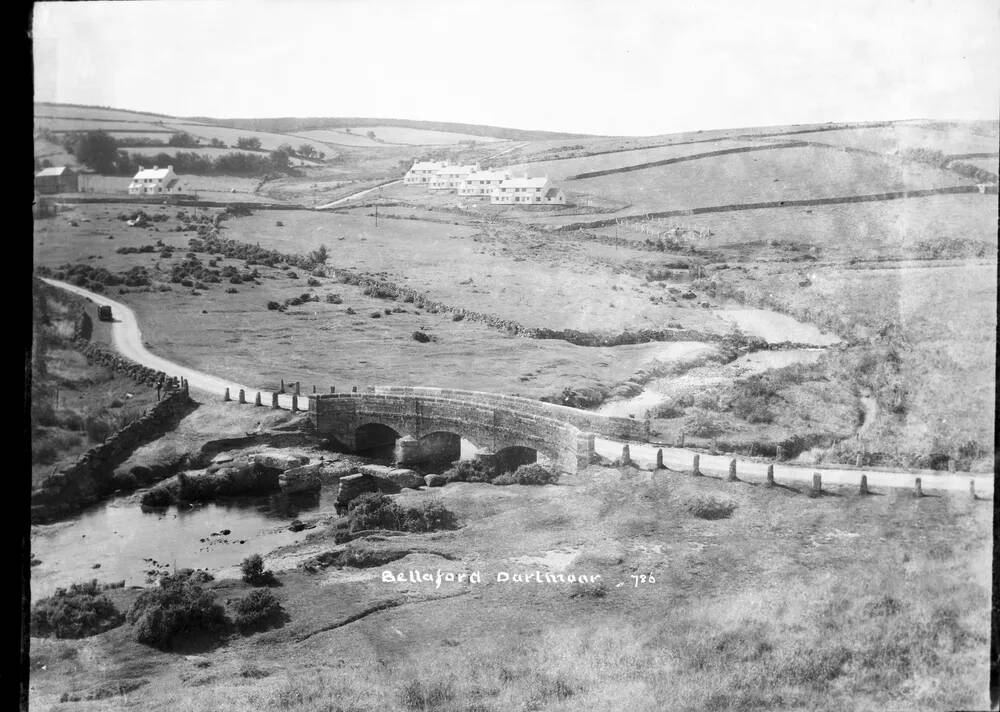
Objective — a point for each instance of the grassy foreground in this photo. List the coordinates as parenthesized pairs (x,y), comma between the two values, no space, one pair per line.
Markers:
(763,599)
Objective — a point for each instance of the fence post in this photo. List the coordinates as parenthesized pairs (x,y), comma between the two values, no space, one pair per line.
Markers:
(972,489)
(695,469)
(256,400)
(863,489)
(282,388)
(732,470)
(682,438)
(859,461)
(354,389)
(295,403)
(917,489)
(298,388)
(332,389)
(817,488)
(243,397)
(769,477)
(274,400)
(659,459)
(226,396)
(779,453)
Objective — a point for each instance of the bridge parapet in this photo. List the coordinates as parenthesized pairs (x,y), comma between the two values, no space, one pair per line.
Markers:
(490,422)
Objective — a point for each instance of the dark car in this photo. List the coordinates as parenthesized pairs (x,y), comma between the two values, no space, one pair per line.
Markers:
(104,313)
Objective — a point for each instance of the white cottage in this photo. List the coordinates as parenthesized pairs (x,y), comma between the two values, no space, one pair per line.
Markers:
(482,183)
(154,181)
(421,172)
(527,191)
(451,177)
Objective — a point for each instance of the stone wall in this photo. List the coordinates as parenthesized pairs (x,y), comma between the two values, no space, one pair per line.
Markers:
(91,477)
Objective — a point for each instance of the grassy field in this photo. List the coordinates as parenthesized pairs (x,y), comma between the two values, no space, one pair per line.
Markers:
(109,126)
(889,139)
(93,112)
(338,137)
(268,141)
(781,603)
(419,137)
(782,174)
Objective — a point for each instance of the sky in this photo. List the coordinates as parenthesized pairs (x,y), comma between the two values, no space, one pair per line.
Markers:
(625,67)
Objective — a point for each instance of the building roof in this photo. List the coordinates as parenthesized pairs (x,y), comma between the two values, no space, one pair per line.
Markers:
(525,182)
(488,175)
(53,171)
(551,192)
(153,173)
(428,165)
(457,170)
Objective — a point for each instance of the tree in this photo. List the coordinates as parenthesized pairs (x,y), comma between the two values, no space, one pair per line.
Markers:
(218,143)
(319,255)
(279,159)
(306,150)
(183,140)
(97,150)
(249,143)
(286,149)
(371,135)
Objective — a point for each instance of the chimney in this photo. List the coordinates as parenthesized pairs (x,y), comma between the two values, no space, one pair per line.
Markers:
(170,168)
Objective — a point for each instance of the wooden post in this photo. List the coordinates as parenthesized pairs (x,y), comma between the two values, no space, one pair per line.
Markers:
(298,388)
(695,469)
(715,446)
(256,400)
(863,489)
(243,397)
(732,470)
(226,396)
(314,389)
(659,459)
(859,461)
(779,453)
(274,400)
(769,477)
(917,489)
(295,403)
(817,484)
(282,389)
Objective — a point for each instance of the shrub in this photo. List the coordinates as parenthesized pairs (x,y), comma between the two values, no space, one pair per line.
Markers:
(97,429)
(74,613)
(530,474)
(258,610)
(710,508)
(702,425)
(374,510)
(349,311)
(254,573)
(376,315)
(421,337)
(179,607)
(471,471)
(416,695)
(334,299)
(313,282)
(457,317)
(429,516)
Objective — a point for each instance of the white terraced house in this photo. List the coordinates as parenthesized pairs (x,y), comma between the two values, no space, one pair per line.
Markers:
(154,181)
(421,172)
(482,183)
(528,191)
(451,177)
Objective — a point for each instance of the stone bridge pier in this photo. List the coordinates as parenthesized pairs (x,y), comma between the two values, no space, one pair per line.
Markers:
(428,425)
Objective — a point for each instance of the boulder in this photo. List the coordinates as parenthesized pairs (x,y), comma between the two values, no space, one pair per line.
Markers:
(352,486)
(330,471)
(376,470)
(278,460)
(405,478)
(300,479)
(435,480)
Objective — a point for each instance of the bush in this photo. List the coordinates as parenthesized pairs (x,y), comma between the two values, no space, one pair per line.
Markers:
(376,315)
(178,608)
(421,337)
(429,516)
(313,282)
(74,613)
(702,425)
(471,471)
(530,474)
(97,429)
(258,610)
(254,573)
(334,299)
(710,508)
(374,510)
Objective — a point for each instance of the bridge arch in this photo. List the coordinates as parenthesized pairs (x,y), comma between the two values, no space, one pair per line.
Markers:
(375,438)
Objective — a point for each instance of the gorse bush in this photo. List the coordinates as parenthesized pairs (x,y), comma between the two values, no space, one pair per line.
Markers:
(79,611)
(253,571)
(257,611)
(374,510)
(530,474)
(178,608)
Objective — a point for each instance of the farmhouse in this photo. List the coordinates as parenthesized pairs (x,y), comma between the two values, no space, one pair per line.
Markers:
(451,177)
(57,179)
(532,191)
(154,180)
(482,182)
(421,172)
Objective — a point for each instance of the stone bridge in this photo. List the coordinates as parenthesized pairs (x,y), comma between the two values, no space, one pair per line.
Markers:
(428,425)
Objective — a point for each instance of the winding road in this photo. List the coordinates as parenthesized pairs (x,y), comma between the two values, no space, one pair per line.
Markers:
(352,196)
(126,337)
